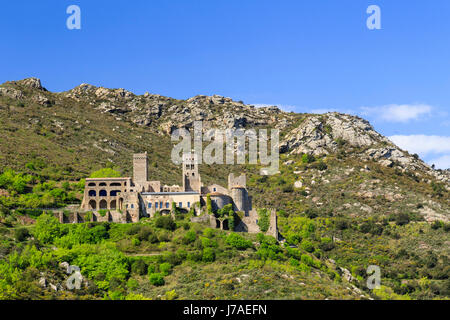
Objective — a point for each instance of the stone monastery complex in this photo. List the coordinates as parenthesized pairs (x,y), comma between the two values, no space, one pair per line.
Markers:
(129,199)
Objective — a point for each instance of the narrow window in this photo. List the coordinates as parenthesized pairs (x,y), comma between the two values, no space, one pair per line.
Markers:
(156,205)
(149,205)
(189,204)
(180,204)
(167,205)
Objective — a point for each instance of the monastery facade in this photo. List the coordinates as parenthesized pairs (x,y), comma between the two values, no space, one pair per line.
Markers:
(129,199)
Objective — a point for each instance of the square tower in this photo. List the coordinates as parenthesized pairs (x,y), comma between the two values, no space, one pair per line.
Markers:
(191,177)
(140,168)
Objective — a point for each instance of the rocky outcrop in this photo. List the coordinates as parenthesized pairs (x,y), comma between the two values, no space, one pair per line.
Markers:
(334,132)
(33,83)
(324,134)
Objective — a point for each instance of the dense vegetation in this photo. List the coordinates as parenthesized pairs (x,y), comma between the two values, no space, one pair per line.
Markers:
(164,259)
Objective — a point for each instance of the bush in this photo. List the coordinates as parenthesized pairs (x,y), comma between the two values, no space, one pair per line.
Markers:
(195,256)
(308,158)
(47,228)
(437,224)
(307,246)
(326,244)
(144,234)
(208,255)
(156,279)
(189,237)
(402,219)
(306,259)
(21,234)
(238,241)
(139,267)
(165,222)
(165,268)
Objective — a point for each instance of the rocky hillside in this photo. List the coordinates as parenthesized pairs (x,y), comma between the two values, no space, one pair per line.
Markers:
(87,127)
(346,198)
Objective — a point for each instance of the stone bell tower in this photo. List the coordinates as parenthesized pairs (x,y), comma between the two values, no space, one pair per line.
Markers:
(191,177)
(140,168)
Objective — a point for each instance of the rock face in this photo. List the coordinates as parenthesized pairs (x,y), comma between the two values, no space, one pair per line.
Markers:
(323,134)
(334,132)
(33,83)
(168,114)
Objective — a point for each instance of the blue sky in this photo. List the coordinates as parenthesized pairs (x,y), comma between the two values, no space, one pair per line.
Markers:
(301,55)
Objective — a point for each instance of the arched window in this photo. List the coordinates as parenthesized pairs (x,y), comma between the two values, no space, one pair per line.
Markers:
(92,205)
(103,193)
(91,184)
(102,184)
(103,204)
(92,193)
(114,193)
(115,184)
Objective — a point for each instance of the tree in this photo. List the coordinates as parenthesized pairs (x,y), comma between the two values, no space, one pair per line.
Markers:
(47,228)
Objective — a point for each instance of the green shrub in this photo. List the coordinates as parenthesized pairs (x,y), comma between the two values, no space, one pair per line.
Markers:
(307,246)
(165,222)
(326,244)
(208,255)
(139,267)
(308,158)
(165,268)
(306,259)
(238,241)
(195,256)
(132,284)
(209,232)
(21,234)
(156,279)
(47,228)
(189,237)
(402,219)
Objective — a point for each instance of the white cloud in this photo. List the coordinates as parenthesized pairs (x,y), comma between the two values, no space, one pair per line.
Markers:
(441,162)
(434,148)
(398,112)
(422,143)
